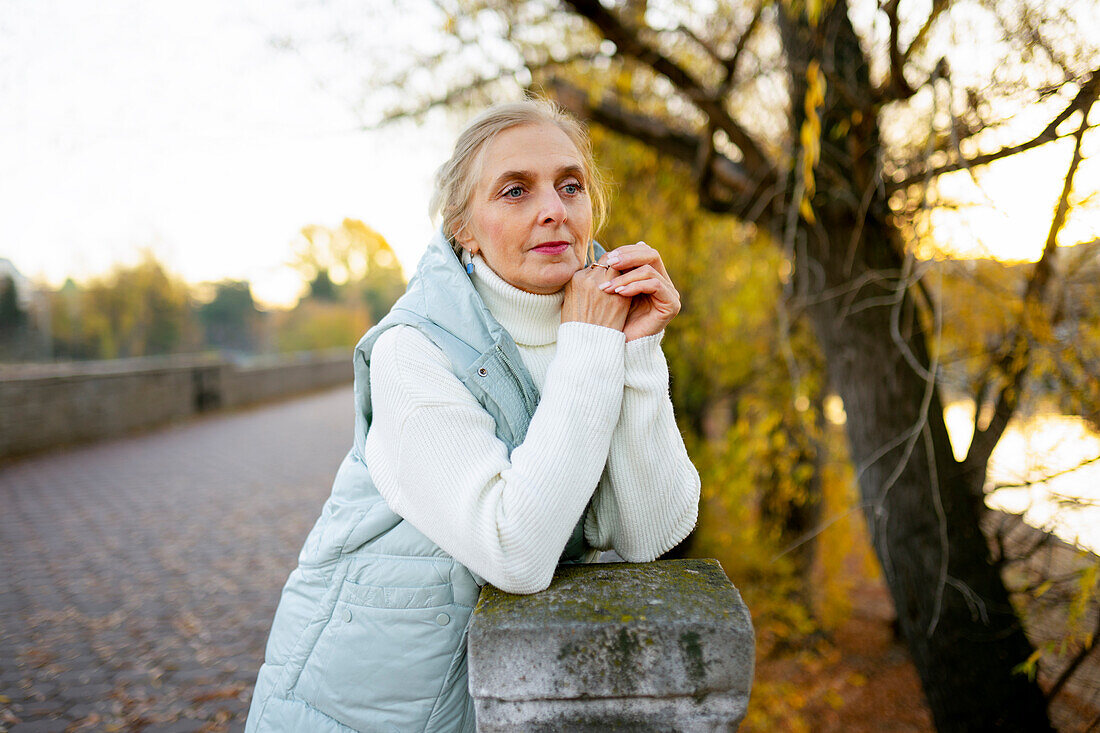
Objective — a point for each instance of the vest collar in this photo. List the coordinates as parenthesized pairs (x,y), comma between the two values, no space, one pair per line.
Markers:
(443,293)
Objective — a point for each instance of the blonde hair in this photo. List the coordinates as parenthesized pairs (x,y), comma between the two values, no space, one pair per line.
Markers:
(456,179)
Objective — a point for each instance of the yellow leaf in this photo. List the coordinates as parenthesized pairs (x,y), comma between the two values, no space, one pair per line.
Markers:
(806,211)
(813,11)
(1030,665)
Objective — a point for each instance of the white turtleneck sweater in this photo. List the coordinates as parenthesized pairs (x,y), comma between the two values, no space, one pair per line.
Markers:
(603,431)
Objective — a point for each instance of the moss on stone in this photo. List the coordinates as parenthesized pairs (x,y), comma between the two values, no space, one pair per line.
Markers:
(669,629)
(692,650)
(617,592)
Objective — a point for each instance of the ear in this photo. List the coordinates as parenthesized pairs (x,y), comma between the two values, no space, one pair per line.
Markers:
(466,240)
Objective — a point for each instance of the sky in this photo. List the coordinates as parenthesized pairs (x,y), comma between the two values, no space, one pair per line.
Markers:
(1006,209)
(182,128)
(179,127)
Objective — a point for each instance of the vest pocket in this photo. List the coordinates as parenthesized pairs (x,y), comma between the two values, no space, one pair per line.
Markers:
(454,708)
(384,655)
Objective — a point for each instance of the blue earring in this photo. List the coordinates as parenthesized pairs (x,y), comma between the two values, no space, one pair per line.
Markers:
(469,268)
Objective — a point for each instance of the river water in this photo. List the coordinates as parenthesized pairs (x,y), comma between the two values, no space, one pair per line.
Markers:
(1032,449)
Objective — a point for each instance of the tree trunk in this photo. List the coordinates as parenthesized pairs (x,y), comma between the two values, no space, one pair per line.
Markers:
(952,605)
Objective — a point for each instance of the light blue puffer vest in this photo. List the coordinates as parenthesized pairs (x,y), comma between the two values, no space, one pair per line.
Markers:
(370,632)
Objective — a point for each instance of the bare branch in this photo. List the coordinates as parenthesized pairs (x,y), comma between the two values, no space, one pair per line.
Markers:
(1015,362)
(664,139)
(700,42)
(705,157)
(1049,476)
(728,63)
(978,160)
(1023,24)
(733,61)
(456,94)
(630,44)
(897,85)
(938,6)
(1081,102)
(985,439)
(655,133)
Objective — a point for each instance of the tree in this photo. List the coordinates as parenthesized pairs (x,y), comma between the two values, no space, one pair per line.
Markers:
(230,319)
(788,116)
(354,277)
(12,317)
(15,330)
(138,310)
(353,257)
(322,288)
(67,330)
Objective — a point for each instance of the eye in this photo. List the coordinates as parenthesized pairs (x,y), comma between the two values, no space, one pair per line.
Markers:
(572,188)
(514,192)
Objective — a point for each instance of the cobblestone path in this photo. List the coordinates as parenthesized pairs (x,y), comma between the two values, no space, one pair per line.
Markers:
(140,575)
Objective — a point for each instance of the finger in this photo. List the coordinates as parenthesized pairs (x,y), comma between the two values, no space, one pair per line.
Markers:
(604,276)
(594,273)
(603,264)
(639,273)
(656,287)
(662,296)
(635,255)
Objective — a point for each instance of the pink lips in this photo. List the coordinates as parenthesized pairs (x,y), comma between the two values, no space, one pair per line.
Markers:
(551,248)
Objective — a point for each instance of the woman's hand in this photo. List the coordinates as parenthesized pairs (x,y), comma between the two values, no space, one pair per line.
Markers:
(654,300)
(587,303)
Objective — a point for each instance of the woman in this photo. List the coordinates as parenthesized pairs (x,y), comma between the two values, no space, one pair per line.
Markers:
(512,413)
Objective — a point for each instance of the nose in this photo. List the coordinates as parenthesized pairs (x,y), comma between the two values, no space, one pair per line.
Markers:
(551,207)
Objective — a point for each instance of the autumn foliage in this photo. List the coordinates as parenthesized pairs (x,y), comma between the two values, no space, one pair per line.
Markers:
(351,277)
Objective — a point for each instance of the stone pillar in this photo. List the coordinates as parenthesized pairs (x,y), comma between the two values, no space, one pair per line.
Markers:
(662,646)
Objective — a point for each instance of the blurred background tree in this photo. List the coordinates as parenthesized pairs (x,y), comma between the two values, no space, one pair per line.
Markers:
(230,319)
(352,263)
(354,277)
(12,315)
(350,274)
(138,310)
(17,329)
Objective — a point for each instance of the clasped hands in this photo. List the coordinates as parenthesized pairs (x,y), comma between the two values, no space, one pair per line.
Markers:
(628,290)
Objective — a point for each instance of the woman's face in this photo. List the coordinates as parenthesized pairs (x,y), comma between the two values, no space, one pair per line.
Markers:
(530,215)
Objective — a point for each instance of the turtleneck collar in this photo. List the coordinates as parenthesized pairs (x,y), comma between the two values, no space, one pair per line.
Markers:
(530,318)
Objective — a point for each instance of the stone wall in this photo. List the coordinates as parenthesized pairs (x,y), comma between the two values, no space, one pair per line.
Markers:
(46,405)
(662,646)
(270,378)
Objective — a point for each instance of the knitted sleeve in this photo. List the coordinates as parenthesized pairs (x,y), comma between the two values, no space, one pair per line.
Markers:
(648,498)
(435,458)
